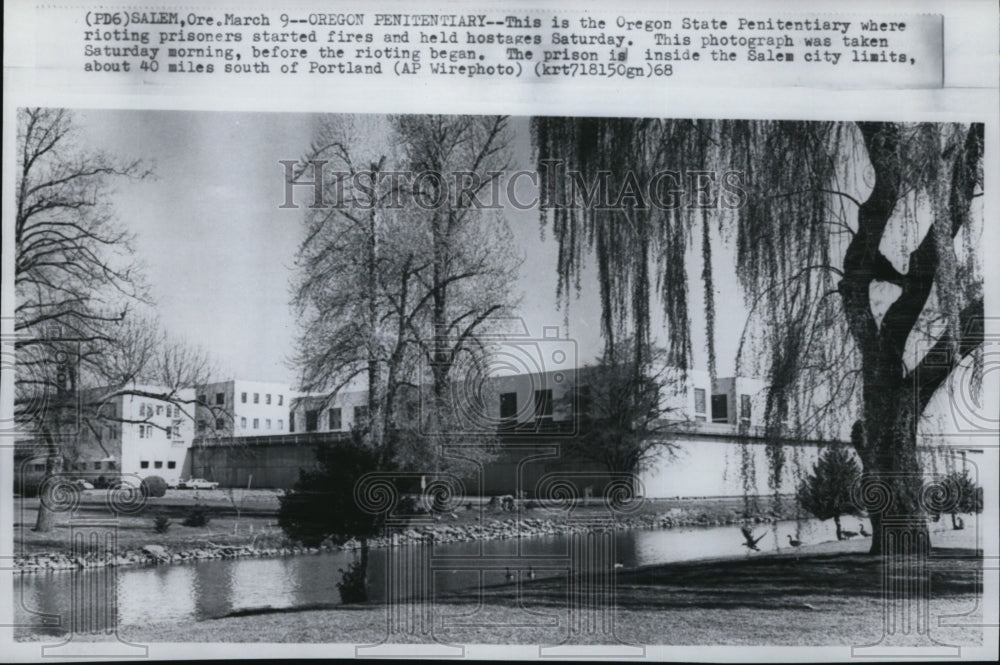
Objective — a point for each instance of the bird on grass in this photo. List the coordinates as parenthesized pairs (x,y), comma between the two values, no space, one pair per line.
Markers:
(531,573)
(864,534)
(509,574)
(749,541)
(848,534)
(793,542)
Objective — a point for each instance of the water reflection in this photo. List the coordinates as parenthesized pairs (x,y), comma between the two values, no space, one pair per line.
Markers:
(206,589)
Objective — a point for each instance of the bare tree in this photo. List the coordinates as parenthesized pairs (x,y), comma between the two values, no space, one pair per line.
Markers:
(342,293)
(73,272)
(80,344)
(472,263)
(863,231)
(389,285)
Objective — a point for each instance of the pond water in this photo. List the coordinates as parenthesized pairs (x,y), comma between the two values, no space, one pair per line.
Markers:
(213,588)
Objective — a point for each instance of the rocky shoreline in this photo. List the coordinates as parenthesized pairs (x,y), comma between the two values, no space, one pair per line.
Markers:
(439,531)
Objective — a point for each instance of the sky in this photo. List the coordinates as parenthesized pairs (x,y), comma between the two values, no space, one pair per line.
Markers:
(218,251)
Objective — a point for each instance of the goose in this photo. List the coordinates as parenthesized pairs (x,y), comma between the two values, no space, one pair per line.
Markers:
(619,564)
(861,528)
(848,534)
(531,573)
(793,542)
(509,574)
(749,541)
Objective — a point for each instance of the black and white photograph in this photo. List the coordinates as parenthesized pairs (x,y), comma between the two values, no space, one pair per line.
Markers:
(547,385)
(485,378)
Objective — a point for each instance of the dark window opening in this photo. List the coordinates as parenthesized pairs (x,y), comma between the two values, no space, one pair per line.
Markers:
(508,409)
(720,408)
(312,420)
(543,403)
(335,419)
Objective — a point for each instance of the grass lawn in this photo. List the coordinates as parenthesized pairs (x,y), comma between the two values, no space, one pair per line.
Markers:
(257,522)
(828,594)
(134,531)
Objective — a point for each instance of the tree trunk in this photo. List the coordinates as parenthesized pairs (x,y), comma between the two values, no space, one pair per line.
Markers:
(46,519)
(364,566)
(893,477)
(886,435)
(836,521)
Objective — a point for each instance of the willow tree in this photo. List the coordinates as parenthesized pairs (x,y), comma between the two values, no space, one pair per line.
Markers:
(854,246)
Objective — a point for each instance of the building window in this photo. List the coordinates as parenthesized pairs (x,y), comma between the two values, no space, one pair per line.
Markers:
(159,409)
(291,421)
(243,422)
(202,426)
(170,411)
(256,423)
(720,408)
(267,398)
(267,424)
(220,423)
(744,409)
(508,406)
(202,400)
(220,398)
(97,466)
(143,464)
(335,419)
(157,465)
(111,465)
(176,431)
(360,414)
(142,431)
(312,420)
(171,464)
(700,405)
(256,398)
(281,400)
(281,424)
(543,403)
(243,397)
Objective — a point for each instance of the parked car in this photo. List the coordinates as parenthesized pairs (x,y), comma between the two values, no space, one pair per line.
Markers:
(197,484)
(82,484)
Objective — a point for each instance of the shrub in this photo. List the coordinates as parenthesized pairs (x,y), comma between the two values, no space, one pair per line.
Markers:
(407,505)
(352,585)
(161,524)
(154,486)
(197,515)
(826,492)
